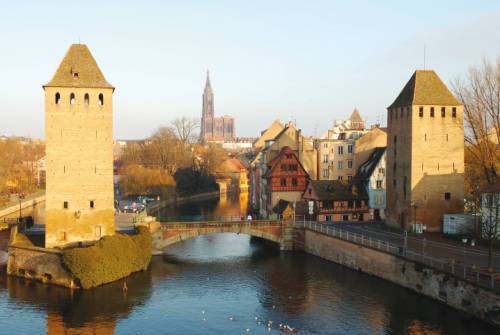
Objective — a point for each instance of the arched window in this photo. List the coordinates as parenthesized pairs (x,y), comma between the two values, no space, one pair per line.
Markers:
(72,99)
(101,99)
(58,98)
(86,99)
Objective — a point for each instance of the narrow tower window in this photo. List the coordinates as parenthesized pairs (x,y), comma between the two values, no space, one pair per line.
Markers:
(101,99)
(443,111)
(454,112)
(58,98)
(421,111)
(432,111)
(86,99)
(91,204)
(72,99)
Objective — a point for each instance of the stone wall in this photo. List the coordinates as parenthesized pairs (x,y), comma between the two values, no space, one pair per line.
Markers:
(40,264)
(444,287)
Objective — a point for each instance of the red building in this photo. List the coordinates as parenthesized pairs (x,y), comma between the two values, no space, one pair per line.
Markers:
(286,178)
(337,201)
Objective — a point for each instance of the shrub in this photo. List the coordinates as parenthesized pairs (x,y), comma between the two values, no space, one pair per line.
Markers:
(111,258)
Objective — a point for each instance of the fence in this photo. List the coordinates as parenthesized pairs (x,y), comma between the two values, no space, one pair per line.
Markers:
(469,273)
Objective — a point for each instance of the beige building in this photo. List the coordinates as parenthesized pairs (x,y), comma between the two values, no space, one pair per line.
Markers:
(79,151)
(364,146)
(335,160)
(425,154)
(270,133)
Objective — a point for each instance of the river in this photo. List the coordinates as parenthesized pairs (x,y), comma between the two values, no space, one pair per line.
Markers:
(230,284)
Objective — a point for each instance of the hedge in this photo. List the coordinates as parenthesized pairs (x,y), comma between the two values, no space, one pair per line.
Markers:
(111,258)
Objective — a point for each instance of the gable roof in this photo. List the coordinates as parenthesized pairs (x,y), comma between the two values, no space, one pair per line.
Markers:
(366,169)
(425,88)
(231,165)
(78,69)
(336,190)
(274,162)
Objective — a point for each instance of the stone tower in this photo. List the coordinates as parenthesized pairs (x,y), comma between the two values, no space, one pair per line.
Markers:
(425,154)
(207,115)
(79,151)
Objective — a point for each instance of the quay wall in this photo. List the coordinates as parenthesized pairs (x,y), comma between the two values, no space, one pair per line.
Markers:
(155,206)
(441,286)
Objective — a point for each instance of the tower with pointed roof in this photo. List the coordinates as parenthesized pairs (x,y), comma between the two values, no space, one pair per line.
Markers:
(207,114)
(214,129)
(79,151)
(425,154)
(356,120)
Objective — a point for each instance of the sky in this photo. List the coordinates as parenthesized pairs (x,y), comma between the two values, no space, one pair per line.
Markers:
(310,62)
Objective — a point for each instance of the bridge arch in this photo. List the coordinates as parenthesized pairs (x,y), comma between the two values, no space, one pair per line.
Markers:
(171,233)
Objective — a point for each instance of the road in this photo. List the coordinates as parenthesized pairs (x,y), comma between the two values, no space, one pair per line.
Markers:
(431,244)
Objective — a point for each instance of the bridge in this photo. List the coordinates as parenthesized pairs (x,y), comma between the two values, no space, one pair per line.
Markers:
(275,231)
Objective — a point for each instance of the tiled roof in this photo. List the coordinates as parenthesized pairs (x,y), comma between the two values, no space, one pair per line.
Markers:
(425,88)
(366,169)
(355,117)
(336,190)
(78,69)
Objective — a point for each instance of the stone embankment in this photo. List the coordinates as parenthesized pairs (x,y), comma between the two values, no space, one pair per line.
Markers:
(444,287)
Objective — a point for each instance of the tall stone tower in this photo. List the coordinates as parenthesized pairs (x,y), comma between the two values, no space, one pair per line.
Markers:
(207,115)
(425,154)
(79,151)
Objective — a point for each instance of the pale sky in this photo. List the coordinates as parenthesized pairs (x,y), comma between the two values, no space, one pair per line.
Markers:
(307,61)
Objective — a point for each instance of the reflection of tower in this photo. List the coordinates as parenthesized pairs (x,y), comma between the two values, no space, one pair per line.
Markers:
(57,326)
(207,116)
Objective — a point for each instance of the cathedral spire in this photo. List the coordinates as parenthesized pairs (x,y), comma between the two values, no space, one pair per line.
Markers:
(207,83)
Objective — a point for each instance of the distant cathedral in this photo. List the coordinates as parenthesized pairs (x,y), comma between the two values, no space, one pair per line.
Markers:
(214,129)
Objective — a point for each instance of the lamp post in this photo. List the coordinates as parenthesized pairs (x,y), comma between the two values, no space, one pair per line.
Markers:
(21,197)
(464,242)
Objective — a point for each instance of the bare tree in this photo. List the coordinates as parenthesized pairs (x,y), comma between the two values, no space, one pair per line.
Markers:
(185,129)
(490,214)
(480,95)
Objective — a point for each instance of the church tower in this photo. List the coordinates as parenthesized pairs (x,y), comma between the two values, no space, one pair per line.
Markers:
(79,151)
(207,116)
(425,154)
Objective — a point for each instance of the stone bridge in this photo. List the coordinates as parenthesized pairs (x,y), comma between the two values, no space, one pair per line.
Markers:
(278,232)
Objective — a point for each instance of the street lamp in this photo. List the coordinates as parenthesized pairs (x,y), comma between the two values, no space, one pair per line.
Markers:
(21,197)
(464,242)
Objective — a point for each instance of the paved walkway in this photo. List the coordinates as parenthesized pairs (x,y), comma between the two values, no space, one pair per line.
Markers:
(430,244)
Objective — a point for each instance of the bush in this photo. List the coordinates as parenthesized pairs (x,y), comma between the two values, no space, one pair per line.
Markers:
(111,258)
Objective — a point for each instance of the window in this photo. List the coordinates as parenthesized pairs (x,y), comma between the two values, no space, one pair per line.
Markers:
(381,171)
(294,182)
(65,205)
(454,112)
(349,177)
(395,138)
(328,218)
(349,148)
(91,204)
(394,167)
(443,111)
(395,151)
(446,137)
(379,184)
(340,165)
(394,182)
(72,99)
(432,111)
(289,156)
(405,181)
(421,111)
(326,173)
(325,145)
(101,99)
(284,167)
(58,98)
(345,217)
(86,99)
(283,181)
(339,178)
(349,164)
(447,196)
(325,158)
(75,74)
(340,150)
(292,167)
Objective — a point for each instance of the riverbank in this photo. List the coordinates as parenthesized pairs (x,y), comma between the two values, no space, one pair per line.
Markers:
(377,260)
(153,207)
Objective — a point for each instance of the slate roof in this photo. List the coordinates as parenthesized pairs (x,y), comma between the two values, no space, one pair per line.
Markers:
(301,207)
(336,190)
(366,169)
(78,69)
(425,88)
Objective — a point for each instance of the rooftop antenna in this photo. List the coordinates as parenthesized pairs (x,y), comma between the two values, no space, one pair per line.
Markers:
(424,56)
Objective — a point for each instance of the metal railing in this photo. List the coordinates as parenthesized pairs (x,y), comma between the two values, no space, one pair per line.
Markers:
(471,274)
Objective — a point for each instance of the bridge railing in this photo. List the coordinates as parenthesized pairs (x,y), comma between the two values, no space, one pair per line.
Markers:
(472,274)
(201,218)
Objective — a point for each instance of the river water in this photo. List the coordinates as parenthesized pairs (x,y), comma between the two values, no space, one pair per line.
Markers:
(230,284)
